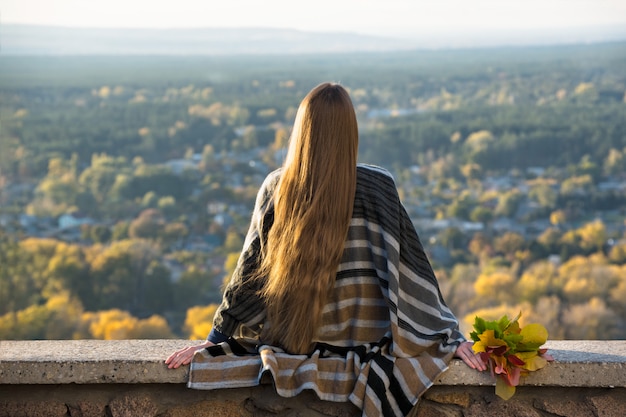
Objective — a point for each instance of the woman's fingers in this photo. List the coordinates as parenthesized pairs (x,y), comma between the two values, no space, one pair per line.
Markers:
(185,355)
(473,360)
(181,357)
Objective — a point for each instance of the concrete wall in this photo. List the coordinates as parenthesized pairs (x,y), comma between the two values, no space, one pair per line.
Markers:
(128,378)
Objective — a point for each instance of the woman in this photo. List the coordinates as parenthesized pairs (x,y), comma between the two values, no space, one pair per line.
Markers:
(333,291)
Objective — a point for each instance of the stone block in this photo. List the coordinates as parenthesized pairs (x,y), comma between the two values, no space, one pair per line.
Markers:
(32,409)
(462,398)
(611,404)
(208,409)
(132,405)
(565,407)
(269,400)
(501,408)
(335,409)
(87,409)
(426,408)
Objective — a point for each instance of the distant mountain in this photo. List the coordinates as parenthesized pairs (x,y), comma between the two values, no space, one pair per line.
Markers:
(49,40)
(17,39)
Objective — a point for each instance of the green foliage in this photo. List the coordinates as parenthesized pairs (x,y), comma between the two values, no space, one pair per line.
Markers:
(499,328)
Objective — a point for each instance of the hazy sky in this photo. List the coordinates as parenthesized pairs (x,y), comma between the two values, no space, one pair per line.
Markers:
(391,17)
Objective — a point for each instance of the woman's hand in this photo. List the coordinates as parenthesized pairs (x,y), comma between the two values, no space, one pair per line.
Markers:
(465,352)
(184,356)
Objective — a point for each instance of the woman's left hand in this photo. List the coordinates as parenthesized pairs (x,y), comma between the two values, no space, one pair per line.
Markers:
(467,354)
(184,356)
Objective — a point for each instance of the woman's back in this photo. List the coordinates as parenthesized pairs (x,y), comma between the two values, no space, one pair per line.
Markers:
(333,291)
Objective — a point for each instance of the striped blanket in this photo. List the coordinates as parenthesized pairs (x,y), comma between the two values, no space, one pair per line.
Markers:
(386,331)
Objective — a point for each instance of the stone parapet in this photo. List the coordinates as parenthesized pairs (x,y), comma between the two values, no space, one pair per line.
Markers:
(129,378)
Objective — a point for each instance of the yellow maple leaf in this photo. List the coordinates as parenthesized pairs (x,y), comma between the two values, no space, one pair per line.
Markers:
(533,336)
(487,339)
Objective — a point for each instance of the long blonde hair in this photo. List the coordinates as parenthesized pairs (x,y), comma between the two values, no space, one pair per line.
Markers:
(312,211)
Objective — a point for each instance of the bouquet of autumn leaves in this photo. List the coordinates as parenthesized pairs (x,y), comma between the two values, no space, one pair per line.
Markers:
(510,351)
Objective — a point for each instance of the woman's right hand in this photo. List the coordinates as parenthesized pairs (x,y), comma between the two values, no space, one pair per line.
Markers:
(472,359)
(184,356)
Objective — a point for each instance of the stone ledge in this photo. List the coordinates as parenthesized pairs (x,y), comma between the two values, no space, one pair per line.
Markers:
(577,364)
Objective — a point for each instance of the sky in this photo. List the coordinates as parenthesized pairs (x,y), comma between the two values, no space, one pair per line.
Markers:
(381,17)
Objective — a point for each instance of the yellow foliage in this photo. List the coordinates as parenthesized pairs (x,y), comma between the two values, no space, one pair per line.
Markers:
(470,171)
(144,131)
(199,321)
(20,113)
(281,138)
(583,88)
(138,98)
(229,266)
(577,185)
(266,113)
(206,93)
(187,90)
(358,93)
(57,319)
(618,293)
(121,329)
(493,285)
(216,112)
(118,325)
(154,327)
(535,281)
(582,278)
(558,217)
(480,139)
(591,320)
(103,323)
(41,246)
(104,92)
(593,235)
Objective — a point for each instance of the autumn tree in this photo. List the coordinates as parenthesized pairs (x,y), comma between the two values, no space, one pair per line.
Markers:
(147,225)
(544,194)
(593,236)
(55,319)
(617,253)
(480,246)
(510,244)
(199,321)
(195,286)
(582,278)
(481,214)
(590,320)
(495,287)
(118,325)
(508,203)
(123,273)
(536,281)
(615,162)
(617,294)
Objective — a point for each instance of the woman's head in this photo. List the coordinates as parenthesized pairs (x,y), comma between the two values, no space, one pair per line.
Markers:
(325,131)
(312,211)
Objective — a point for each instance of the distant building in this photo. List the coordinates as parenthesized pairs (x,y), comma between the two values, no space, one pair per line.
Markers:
(536,171)
(612,186)
(74,219)
(178,166)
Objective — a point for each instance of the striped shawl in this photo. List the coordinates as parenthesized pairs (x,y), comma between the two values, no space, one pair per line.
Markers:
(386,331)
